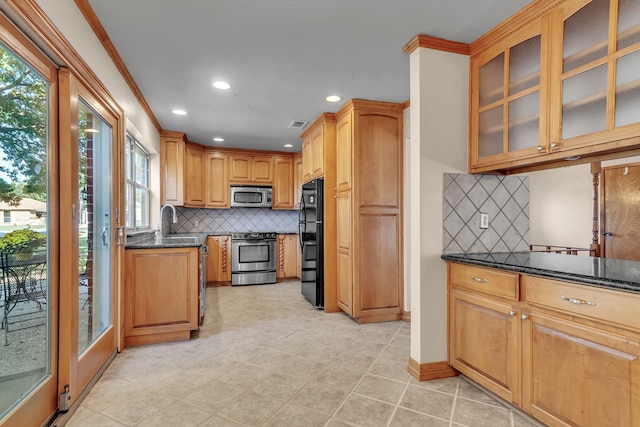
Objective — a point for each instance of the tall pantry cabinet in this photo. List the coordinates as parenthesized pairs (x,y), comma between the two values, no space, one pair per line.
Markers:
(369,210)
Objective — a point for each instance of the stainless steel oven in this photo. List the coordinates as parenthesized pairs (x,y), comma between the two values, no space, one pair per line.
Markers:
(253,258)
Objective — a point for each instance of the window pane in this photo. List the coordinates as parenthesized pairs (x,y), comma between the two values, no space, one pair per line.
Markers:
(524,65)
(490,138)
(127,158)
(627,89)
(25,291)
(586,35)
(492,80)
(524,125)
(141,166)
(584,102)
(142,207)
(129,205)
(628,23)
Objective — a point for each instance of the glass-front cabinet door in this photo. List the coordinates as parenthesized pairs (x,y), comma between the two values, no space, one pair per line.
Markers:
(595,72)
(508,99)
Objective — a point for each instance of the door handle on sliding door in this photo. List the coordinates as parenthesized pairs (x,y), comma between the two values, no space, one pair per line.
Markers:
(105,234)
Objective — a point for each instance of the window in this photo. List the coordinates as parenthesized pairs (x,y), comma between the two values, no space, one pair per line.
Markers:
(137,183)
(7,216)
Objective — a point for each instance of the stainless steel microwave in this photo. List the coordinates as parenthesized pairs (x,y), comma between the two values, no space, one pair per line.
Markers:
(250,197)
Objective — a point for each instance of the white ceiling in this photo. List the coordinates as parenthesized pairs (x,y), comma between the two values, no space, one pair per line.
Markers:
(282,57)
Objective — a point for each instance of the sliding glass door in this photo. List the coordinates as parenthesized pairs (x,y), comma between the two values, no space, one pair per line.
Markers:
(90,206)
(28,232)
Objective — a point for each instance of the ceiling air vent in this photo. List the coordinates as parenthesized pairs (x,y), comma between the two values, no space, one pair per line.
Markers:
(298,124)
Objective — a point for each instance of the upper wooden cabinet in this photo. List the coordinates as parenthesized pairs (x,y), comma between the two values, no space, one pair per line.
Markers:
(194,185)
(217,180)
(172,148)
(562,84)
(251,169)
(369,210)
(298,179)
(196,176)
(283,183)
(507,100)
(314,155)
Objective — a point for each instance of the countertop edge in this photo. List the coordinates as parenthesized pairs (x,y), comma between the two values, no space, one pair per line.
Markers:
(587,280)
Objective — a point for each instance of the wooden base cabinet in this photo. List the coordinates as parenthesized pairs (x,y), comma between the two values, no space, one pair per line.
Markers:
(160,295)
(567,353)
(484,342)
(576,375)
(219,259)
(288,248)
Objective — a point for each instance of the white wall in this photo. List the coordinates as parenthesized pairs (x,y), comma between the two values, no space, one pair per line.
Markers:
(71,23)
(439,115)
(560,203)
(560,206)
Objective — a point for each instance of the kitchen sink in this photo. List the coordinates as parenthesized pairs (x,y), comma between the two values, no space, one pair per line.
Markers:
(181,239)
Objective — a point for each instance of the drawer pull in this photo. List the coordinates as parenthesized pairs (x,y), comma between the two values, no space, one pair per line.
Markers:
(578,301)
(479,280)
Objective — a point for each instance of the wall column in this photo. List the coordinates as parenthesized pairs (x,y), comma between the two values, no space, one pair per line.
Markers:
(439,86)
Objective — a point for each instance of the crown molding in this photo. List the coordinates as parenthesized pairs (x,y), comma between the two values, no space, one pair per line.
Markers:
(436,43)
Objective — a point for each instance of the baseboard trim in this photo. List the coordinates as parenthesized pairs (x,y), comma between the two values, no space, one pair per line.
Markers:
(430,371)
(406,316)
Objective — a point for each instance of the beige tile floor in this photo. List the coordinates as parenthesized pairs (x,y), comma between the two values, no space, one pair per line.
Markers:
(265,357)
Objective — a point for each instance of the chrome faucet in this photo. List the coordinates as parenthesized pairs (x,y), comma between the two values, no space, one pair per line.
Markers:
(174,218)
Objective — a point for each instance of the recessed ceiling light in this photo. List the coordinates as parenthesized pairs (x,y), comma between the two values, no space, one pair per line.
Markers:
(570,158)
(221,85)
(288,145)
(218,139)
(333,98)
(179,112)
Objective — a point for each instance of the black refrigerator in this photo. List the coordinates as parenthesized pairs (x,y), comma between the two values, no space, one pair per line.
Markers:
(310,228)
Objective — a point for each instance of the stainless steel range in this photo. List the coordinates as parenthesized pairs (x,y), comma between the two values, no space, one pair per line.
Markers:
(253,258)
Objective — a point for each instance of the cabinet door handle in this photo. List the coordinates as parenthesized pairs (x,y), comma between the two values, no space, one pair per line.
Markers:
(479,280)
(512,313)
(524,317)
(577,301)
(554,145)
(539,148)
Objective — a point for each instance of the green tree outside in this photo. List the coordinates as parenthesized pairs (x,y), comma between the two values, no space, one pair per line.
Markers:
(23,130)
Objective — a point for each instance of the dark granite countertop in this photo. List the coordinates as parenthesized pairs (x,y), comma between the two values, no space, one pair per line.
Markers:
(604,272)
(181,240)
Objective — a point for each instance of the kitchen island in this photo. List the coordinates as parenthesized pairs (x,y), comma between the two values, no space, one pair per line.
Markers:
(557,335)
(163,296)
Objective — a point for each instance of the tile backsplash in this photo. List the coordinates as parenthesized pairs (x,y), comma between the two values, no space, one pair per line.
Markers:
(504,198)
(235,220)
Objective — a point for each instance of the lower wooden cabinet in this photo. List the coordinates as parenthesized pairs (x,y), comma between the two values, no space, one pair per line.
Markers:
(484,342)
(160,295)
(219,259)
(568,354)
(576,375)
(288,248)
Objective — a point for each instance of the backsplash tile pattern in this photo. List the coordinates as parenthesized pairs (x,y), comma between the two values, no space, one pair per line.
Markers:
(504,198)
(235,220)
